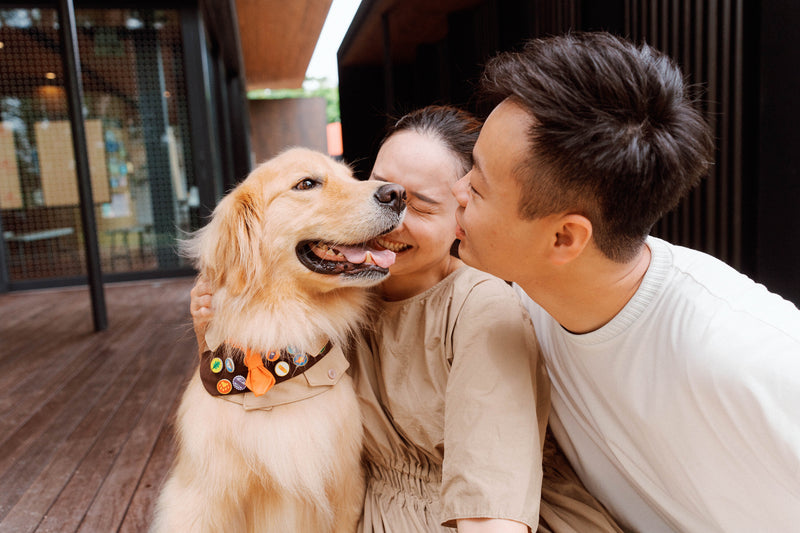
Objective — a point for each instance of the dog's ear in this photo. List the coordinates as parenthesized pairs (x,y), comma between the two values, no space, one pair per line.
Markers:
(233,243)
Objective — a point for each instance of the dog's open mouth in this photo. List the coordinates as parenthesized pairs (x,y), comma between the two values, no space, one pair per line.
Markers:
(367,258)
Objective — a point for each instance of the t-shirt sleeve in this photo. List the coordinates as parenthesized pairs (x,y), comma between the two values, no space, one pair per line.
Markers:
(497,401)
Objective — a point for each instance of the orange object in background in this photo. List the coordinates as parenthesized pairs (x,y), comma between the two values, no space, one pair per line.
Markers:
(334,131)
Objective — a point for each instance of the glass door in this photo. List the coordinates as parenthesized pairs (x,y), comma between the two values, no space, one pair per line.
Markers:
(137,140)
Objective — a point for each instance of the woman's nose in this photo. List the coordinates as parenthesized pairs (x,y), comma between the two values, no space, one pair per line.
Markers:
(459,190)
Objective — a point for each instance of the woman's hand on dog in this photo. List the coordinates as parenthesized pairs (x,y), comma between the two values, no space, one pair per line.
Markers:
(200,307)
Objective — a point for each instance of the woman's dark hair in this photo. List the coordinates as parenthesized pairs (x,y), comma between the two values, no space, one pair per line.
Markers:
(614,134)
(456,128)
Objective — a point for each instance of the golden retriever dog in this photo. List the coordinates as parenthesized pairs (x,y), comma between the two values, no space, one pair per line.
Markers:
(269,431)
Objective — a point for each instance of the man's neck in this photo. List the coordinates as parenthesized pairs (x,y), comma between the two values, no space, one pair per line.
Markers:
(588,294)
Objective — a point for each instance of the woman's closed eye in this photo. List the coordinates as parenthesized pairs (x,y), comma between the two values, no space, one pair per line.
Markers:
(422,208)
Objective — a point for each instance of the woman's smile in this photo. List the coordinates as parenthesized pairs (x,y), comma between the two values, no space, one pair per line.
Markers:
(395,246)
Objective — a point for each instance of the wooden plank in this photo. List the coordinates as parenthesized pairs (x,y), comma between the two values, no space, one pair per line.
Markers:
(32,503)
(49,371)
(69,510)
(98,440)
(50,364)
(29,450)
(33,324)
(22,314)
(54,415)
(140,511)
(109,506)
(82,384)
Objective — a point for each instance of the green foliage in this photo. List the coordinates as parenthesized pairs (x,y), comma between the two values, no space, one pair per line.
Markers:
(312,88)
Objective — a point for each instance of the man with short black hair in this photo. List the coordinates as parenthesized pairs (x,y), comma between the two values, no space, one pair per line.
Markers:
(675,379)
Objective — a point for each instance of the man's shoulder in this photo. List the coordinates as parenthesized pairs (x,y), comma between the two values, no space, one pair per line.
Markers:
(712,296)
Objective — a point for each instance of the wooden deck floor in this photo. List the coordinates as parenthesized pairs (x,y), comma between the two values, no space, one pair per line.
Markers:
(86,429)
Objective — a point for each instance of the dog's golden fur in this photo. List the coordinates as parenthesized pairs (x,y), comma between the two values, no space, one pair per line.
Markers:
(296,467)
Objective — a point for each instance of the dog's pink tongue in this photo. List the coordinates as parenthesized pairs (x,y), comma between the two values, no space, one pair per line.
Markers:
(357,255)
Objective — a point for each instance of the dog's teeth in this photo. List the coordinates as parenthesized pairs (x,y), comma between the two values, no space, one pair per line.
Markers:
(368,259)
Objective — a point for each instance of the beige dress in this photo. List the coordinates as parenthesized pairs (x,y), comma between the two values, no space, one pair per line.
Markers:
(455,401)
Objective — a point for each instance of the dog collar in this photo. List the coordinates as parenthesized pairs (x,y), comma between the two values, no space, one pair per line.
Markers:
(232,369)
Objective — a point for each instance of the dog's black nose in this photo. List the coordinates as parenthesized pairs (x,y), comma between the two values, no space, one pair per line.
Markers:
(392,196)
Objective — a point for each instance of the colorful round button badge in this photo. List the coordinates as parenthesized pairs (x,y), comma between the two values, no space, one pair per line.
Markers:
(216,365)
(224,386)
(230,366)
(239,383)
(282,368)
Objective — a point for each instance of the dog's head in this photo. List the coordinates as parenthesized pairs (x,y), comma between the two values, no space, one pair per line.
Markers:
(299,218)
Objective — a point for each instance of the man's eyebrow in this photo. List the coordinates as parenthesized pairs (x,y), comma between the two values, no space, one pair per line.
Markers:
(426,199)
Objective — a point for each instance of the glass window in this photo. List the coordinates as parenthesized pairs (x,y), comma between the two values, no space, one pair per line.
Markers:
(137,140)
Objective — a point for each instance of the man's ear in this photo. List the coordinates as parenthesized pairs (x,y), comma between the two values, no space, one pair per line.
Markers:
(570,235)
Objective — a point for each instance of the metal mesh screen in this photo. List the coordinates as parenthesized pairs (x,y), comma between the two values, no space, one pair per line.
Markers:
(137,142)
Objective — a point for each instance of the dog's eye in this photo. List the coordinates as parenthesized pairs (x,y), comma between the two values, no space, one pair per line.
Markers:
(306,184)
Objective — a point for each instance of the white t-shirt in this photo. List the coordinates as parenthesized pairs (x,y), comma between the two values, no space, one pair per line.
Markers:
(683,412)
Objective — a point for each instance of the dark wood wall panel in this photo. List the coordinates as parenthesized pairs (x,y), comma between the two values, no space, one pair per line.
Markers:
(706,39)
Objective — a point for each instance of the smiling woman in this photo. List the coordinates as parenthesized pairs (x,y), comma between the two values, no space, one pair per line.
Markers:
(426,168)
(427,388)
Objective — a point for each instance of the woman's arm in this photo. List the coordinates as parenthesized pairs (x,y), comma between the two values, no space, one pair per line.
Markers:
(496,407)
(490,525)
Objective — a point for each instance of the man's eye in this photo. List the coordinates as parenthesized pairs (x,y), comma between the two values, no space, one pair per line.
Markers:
(306,184)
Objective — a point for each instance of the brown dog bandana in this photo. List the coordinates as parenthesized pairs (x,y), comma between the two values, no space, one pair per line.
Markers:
(231,369)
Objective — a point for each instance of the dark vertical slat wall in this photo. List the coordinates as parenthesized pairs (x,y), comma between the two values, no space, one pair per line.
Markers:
(706,38)
(718,44)
(742,58)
